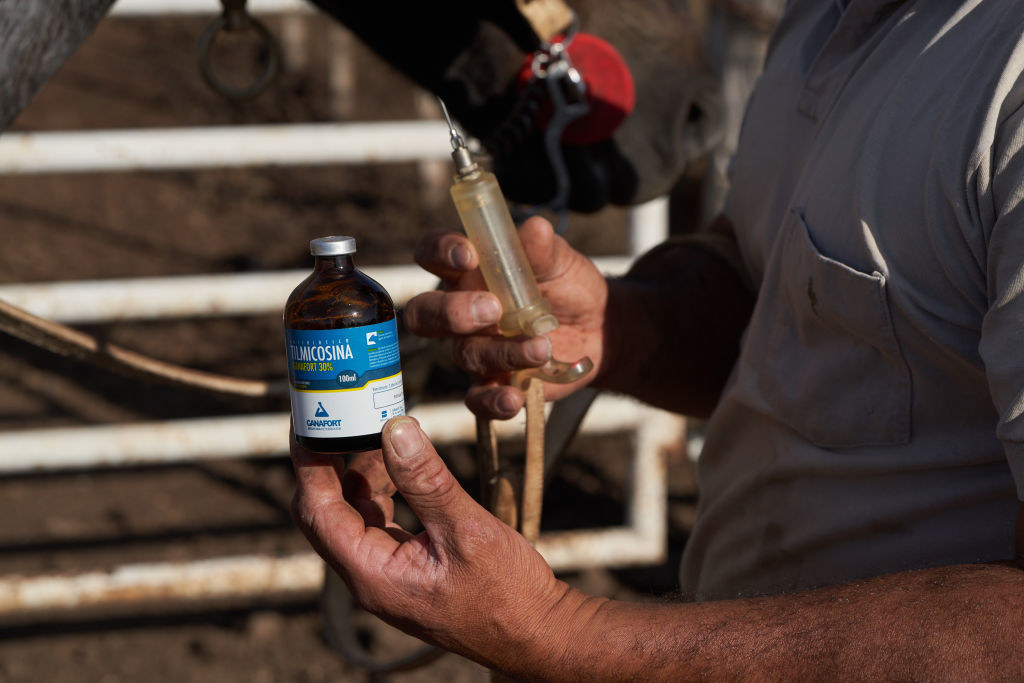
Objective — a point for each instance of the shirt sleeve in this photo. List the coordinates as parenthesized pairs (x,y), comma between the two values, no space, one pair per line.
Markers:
(1002,334)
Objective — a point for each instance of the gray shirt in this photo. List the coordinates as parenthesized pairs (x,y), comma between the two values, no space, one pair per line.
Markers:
(873,422)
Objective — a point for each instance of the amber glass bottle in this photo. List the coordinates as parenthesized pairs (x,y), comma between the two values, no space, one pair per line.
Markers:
(342,345)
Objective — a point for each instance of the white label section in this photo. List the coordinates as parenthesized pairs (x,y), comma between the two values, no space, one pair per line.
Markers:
(348,412)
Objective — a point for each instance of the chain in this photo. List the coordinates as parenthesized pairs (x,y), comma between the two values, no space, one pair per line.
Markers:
(553,77)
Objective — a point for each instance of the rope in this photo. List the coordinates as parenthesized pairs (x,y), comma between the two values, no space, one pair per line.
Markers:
(66,341)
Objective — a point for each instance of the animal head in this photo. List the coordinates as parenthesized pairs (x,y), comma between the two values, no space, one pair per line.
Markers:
(472,54)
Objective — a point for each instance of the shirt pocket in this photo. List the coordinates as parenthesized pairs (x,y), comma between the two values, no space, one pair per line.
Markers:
(820,354)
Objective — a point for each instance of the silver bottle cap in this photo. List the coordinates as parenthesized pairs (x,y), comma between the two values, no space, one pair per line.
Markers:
(333,245)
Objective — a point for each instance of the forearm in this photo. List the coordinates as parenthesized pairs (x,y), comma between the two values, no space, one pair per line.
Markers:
(951,623)
(672,328)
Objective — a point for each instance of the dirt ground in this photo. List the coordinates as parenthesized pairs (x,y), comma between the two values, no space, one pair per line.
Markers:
(140,73)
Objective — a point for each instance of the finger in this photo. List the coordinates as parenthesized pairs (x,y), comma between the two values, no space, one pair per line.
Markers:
(493,356)
(442,314)
(319,496)
(368,488)
(321,471)
(496,401)
(400,534)
(367,477)
(334,528)
(375,513)
(549,255)
(427,485)
(446,254)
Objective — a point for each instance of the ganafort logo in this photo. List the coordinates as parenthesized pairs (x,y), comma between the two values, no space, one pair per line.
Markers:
(321,412)
(323,423)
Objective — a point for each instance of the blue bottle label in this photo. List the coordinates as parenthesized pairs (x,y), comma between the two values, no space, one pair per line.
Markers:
(345,382)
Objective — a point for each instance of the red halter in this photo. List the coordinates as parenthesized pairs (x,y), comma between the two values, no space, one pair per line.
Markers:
(609,89)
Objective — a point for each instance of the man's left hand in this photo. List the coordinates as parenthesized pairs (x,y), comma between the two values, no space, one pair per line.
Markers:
(467,582)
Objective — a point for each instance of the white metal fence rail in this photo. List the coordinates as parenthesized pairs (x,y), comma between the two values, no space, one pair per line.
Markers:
(641,540)
(92,301)
(169,149)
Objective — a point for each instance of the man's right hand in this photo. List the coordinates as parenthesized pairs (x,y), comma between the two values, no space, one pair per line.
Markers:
(464,310)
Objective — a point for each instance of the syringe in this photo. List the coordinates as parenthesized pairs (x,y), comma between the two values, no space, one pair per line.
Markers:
(488,224)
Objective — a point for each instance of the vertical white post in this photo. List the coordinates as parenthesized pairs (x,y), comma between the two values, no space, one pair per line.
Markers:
(648,225)
(435,176)
(341,72)
(295,42)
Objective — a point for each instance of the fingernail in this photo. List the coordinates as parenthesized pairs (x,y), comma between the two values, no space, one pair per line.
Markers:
(406,438)
(460,257)
(538,349)
(507,404)
(485,310)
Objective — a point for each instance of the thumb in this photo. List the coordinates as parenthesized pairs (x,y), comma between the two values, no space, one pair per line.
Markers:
(542,248)
(422,478)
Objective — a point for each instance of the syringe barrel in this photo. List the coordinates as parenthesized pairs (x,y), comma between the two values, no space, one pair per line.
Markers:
(489,226)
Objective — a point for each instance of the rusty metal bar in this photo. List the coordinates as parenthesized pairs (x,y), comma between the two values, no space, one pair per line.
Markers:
(223,577)
(642,541)
(245,436)
(104,300)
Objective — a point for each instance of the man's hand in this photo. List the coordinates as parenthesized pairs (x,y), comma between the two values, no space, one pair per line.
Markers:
(472,585)
(576,292)
(667,332)
(467,582)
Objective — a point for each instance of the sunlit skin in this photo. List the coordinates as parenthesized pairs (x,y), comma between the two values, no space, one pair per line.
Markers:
(473,585)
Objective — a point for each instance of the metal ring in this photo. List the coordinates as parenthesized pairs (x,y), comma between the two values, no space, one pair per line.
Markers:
(555,51)
(273,62)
